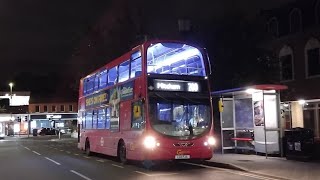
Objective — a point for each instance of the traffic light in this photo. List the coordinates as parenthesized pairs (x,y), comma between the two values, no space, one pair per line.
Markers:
(18,119)
(25,118)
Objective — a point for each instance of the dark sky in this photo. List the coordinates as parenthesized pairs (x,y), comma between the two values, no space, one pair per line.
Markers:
(39,36)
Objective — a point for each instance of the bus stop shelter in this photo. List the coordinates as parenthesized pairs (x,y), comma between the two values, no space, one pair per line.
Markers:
(250,118)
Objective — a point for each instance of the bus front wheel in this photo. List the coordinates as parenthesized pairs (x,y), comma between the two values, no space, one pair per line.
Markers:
(87,148)
(122,152)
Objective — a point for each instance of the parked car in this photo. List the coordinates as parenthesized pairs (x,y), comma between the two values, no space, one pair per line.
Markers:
(48,131)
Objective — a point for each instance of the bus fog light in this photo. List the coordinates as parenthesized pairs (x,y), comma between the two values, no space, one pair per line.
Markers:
(150,142)
(211,141)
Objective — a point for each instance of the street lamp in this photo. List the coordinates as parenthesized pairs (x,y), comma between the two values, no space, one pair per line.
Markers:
(11,85)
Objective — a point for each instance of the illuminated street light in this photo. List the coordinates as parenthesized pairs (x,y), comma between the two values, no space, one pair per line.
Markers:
(11,85)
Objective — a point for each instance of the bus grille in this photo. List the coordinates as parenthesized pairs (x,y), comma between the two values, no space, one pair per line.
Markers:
(183,144)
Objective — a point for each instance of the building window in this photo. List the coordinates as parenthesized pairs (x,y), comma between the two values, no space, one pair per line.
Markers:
(62,108)
(286,64)
(54,108)
(45,108)
(312,57)
(295,20)
(37,108)
(272,27)
(70,107)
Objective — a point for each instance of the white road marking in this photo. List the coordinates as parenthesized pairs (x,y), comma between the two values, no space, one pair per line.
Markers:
(53,161)
(142,173)
(27,148)
(234,172)
(81,175)
(117,166)
(36,153)
(76,154)
(86,157)
(61,150)
(156,174)
(100,160)
(68,152)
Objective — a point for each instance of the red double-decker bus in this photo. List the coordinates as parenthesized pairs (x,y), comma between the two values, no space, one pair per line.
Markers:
(152,103)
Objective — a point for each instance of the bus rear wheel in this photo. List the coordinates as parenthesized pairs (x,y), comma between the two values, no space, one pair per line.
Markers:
(87,148)
(122,152)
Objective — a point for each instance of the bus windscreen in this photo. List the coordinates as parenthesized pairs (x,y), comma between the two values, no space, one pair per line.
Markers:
(175,58)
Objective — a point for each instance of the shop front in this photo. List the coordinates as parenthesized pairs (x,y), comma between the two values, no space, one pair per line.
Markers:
(64,122)
(249,119)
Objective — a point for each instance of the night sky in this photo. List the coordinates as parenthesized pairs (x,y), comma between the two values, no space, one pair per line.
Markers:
(39,36)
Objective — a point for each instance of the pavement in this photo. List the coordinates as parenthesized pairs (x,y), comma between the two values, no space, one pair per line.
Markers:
(273,167)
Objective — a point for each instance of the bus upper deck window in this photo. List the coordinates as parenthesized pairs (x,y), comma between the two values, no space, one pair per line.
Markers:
(135,64)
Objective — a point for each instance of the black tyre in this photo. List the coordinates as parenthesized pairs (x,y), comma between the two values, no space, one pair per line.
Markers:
(122,152)
(87,148)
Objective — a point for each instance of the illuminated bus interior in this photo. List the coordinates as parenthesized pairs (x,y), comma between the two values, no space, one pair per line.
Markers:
(175,58)
(181,120)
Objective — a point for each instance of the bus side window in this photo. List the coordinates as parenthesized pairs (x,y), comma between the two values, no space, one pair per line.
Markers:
(103,79)
(135,64)
(113,76)
(96,82)
(137,116)
(88,120)
(124,71)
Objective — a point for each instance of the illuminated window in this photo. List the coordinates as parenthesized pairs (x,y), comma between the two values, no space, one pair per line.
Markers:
(135,64)
(113,76)
(96,83)
(88,120)
(175,58)
(88,85)
(94,119)
(107,118)
(103,79)
(101,119)
(37,108)
(124,71)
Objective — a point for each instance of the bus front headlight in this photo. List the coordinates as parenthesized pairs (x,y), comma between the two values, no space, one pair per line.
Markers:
(150,142)
(211,141)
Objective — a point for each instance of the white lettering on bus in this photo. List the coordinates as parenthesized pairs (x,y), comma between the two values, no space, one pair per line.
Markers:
(169,86)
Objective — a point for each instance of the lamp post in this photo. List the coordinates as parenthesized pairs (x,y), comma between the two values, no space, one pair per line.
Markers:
(11,85)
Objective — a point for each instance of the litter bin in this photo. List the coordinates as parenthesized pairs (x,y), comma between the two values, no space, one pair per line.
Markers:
(35,132)
(299,143)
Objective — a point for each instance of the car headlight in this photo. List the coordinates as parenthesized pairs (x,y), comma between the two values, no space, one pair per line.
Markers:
(211,141)
(150,142)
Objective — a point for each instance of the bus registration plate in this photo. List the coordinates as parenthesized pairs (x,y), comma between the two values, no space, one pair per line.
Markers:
(182,157)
